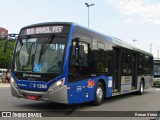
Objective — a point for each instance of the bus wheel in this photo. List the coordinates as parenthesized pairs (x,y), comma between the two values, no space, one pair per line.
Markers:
(98,94)
(141,88)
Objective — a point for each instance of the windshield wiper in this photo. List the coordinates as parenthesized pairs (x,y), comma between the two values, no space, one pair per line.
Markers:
(46,45)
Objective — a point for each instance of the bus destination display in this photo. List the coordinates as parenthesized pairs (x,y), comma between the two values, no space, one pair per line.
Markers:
(43,30)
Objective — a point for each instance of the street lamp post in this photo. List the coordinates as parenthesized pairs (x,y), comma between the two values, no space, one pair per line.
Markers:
(88,5)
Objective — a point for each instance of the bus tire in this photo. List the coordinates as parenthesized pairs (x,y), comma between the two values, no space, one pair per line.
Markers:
(141,88)
(98,94)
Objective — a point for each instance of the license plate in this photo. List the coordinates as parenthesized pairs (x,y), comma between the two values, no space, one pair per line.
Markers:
(31,97)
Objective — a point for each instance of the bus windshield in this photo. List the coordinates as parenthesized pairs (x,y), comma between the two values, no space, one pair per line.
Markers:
(40,54)
(156,70)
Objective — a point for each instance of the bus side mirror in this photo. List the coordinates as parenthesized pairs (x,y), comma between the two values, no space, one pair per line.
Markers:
(79,49)
(80,52)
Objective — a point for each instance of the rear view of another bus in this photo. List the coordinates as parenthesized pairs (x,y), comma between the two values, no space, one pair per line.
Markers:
(156,80)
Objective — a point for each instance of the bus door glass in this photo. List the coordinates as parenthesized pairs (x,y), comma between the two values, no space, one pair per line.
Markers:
(117,70)
(134,70)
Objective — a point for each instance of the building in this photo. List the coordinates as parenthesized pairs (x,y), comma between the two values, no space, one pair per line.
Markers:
(3,32)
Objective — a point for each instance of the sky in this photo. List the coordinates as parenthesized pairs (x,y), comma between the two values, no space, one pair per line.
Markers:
(123,19)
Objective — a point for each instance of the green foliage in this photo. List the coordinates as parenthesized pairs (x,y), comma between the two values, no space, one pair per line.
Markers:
(6,57)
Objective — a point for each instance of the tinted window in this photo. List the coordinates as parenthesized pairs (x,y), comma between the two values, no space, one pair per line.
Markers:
(126,61)
(140,63)
(98,57)
(148,64)
(79,67)
(101,57)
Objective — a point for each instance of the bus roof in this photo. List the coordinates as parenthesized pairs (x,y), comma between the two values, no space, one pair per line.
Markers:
(109,38)
(116,41)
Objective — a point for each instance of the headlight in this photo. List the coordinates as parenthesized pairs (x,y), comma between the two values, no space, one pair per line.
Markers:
(13,82)
(57,84)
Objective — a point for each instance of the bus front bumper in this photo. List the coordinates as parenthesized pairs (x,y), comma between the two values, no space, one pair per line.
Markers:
(59,95)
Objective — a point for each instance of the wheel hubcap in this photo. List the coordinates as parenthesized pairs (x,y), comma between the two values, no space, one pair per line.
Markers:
(99,93)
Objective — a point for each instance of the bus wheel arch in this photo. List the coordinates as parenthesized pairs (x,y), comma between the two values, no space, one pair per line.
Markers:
(141,87)
(100,88)
(104,85)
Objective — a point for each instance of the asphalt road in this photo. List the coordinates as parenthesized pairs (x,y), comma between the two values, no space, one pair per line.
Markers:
(149,101)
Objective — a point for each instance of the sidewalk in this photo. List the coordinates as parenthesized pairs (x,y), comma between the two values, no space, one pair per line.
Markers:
(4,84)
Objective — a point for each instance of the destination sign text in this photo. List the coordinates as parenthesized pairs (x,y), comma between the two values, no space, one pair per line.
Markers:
(43,30)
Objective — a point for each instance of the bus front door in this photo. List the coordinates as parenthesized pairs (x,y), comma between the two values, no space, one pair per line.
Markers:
(116,70)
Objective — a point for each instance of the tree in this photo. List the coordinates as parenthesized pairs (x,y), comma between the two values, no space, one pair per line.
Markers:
(6,57)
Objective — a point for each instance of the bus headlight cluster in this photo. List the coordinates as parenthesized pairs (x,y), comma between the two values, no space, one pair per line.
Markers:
(13,82)
(57,84)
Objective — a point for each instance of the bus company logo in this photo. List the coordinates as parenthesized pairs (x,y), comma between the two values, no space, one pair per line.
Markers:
(31,75)
(90,84)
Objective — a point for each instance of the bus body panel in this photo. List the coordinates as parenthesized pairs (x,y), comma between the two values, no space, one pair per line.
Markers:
(59,96)
(126,82)
(147,81)
(83,91)
(77,92)
(23,88)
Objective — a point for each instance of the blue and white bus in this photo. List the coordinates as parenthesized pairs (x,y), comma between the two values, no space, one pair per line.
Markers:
(66,63)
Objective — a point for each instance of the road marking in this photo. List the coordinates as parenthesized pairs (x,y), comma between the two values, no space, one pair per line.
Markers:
(157,89)
(4,85)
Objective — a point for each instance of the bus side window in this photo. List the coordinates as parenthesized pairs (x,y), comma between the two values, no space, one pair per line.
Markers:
(148,64)
(126,61)
(140,63)
(78,68)
(102,53)
(84,61)
(80,62)
(99,57)
(73,54)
